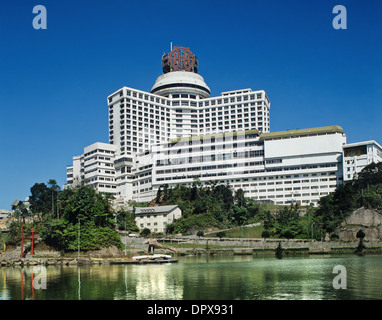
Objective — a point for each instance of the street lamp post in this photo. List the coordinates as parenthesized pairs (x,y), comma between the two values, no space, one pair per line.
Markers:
(125,237)
(79,237)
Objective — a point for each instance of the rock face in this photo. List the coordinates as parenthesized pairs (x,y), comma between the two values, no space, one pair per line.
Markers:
(110,252)
(370,221)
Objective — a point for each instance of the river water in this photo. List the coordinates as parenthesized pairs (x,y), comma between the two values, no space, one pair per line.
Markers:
(202,278)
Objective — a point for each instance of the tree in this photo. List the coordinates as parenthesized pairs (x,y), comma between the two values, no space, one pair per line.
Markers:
(239,215)
(159,195)
(195,189)
(97,223)
(40,199)
(370,175)
(365,190)
(145,232)
(126,220)
(240,198)
(325,216)
(360,235)
(165,193)
(279,251)
(20,211)
(288,233)
(287,222)
(227,196)
(265,234)
(268,220)
(200,233)
(371,197)
(221,234)
(54,189)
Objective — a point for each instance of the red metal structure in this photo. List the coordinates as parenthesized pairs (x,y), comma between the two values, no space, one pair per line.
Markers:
(180,58)
(32,238)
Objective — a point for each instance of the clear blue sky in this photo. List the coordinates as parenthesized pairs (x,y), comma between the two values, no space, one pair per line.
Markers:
(54,82)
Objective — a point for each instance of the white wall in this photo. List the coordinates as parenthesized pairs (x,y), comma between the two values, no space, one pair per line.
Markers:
(300,146)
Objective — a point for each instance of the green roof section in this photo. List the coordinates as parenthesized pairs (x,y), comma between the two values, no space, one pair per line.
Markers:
(215,135)
(300,132)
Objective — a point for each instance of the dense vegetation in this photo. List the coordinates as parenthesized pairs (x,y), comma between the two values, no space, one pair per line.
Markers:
(211,205)
(216,205)
(364,191)
(58,216)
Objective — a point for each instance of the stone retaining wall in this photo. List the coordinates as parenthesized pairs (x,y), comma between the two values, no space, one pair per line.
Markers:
(6,262)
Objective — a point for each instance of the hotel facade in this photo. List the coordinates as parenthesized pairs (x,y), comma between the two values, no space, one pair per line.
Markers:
(177,133)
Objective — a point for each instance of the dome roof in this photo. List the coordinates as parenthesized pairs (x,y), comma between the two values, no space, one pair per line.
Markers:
(181,82)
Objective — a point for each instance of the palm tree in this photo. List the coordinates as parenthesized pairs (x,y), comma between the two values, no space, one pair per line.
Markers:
(52,183)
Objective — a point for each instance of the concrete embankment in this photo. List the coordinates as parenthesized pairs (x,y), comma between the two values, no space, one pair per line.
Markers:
(192,245)
(23,262)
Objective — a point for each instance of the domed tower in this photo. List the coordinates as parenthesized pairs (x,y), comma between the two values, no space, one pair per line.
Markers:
(180,76)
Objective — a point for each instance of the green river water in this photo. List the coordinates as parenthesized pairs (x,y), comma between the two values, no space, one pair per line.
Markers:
(201,278)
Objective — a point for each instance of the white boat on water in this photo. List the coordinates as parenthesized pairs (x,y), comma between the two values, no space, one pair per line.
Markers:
(152,257)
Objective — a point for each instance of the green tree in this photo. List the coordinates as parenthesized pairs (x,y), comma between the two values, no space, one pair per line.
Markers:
(145,232)
(20,211)
(265,234)
(166,194)
(370,175)
(54,189)
(371,197)
(96,226)
(240,199)
(126,220)
(239,215)
(40,199)
(221,234)
(159,195)
(288,223)
(268,220)
(360,235)
(279,251)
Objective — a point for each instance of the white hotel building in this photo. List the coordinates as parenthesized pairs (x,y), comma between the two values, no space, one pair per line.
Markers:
(177,132)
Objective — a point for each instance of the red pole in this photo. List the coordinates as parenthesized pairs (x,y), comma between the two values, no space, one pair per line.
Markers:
(32,286)
(22,242)
(32,240)
(22,285)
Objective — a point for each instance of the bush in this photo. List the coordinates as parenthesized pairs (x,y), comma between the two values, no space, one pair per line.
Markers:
(360,234)
(221,234)
(265,234)
(197,221)
(334,237)
(145,232)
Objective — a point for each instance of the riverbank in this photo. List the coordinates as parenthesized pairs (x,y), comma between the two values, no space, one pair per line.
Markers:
(288,251)
(181,252)
(256,246)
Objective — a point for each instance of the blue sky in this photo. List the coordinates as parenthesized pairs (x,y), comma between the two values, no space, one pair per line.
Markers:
(54,82)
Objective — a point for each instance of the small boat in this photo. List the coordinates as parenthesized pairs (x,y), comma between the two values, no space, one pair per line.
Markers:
(152,257)
(145,259)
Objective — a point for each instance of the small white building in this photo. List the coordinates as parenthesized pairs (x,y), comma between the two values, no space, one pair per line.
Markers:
(4,216)
(156,218)
(358,155)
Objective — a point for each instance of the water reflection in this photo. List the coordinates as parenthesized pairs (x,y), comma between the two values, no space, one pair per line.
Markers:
(201,278)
